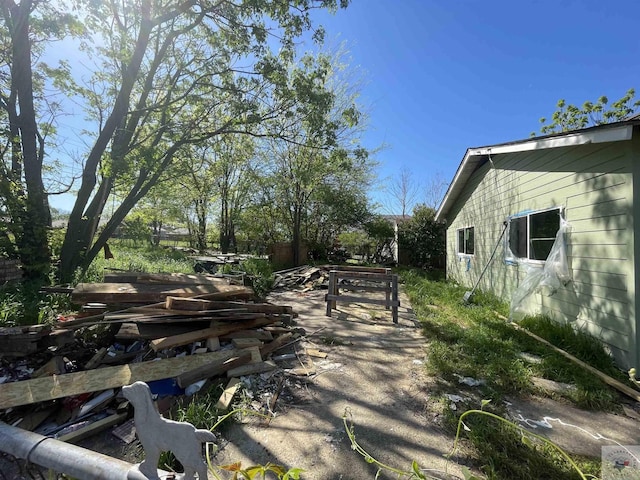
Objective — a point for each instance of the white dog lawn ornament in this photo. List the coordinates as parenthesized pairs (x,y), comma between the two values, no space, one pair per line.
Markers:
(158,435)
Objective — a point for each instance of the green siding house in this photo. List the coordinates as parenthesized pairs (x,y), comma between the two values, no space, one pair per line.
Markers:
(513,197)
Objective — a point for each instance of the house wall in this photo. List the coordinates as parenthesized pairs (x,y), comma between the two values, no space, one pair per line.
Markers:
(594,185)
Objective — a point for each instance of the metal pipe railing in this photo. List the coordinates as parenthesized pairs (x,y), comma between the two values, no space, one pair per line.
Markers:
(67,458)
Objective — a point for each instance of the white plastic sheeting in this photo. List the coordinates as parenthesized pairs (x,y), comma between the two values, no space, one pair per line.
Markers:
(546,279)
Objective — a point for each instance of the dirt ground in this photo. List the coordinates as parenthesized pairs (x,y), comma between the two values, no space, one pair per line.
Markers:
(374,373)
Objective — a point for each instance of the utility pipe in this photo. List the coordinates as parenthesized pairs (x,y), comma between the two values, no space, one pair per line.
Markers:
(66,458)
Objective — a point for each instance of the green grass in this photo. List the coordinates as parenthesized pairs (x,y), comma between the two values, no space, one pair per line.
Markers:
(504,454)
(260,273)
(145,259)
(472,341)
(21,303)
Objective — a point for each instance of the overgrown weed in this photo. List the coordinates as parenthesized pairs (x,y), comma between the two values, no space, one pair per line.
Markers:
(472,341)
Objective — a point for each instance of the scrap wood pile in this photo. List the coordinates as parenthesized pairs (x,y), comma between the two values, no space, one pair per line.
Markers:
(308,277)
(64,381)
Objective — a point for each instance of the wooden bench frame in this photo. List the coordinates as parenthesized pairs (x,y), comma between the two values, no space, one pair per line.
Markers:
(389,287)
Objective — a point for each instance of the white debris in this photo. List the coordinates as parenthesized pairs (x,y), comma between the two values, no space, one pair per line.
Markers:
(454,398)
(470,381)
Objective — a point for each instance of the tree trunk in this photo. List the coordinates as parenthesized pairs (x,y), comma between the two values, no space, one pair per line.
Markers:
(33,247)
(225,240)
(82,222)
(295,243)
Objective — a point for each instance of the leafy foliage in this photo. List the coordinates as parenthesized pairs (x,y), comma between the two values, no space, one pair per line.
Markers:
(166,75)
(260,274)
(381,235)
(421,238)
(570,117)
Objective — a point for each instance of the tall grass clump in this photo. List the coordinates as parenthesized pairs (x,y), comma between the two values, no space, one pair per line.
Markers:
(475,341)
(260,274)
(146,259)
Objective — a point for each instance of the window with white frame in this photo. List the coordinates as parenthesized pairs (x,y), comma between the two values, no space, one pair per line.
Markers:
(465,241)
(531,235)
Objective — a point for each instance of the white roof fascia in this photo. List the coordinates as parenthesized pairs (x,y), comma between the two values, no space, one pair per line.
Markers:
(615,134)
(461,169)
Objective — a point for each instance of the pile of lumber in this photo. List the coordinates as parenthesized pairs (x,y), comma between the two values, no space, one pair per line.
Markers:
(305,277)
(137,288)
(27,340)
(175,345)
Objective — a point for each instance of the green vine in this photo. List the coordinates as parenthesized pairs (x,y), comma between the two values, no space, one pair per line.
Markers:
(524,437)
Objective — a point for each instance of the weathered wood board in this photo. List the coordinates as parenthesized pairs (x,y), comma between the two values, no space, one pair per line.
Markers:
(214,331)
(213,369)
(93,428)
(144,331)
(48,388)
(276,344)
(227,396)
(146,293)
(194,304)
(251,368)
(165,278)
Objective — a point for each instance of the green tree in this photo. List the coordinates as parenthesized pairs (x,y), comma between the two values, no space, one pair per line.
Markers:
(26,113)
(312,164)
(234,176)
(381,234)
(422,238)
(570,117)
(168,74)
(174,72)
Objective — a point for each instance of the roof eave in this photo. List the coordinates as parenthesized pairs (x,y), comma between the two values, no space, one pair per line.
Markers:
(599,134)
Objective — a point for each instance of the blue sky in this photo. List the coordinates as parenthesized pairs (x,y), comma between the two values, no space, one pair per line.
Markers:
(444,75)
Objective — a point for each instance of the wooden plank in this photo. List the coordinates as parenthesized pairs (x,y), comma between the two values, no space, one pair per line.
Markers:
(256,356)
(176,303)
(147,293)
(263,335)
(228,317)
(33,420)
(246,293)
(353,268)
(364,288)
(313,352)
(215,368)
(96,359)
(246,342)
(49,388)
(353,299)
(143,331)
(93,428)
(227,396)
(55,366)
(185,313)
(252,368)
(381,277)
(276,344)
(630,392)
(164,278)
(216,331)
(213,344)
